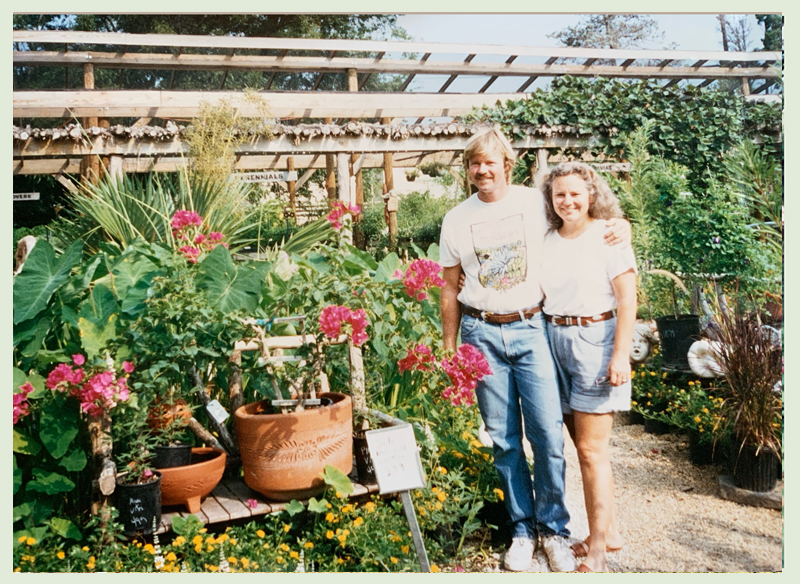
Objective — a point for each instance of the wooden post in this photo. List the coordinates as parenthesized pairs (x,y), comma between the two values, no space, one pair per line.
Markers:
(358,236)
(745,86)
(90,165)
(541,159)
(330,165)
(292,186)
(357,380)
(390,209)
(105,472)
(343,182)
(115,166)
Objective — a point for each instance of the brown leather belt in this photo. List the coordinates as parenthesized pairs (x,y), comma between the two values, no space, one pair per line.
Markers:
(494,318)
(579,320)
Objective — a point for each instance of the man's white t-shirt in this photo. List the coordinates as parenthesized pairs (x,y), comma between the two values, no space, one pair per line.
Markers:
(499,247)
(577,273)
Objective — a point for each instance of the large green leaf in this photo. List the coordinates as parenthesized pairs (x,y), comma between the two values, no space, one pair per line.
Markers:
(337,479)
(75,461)
(17,477)
(30,334)
(228,287)
(65,528)
(24,445)
(94,337)
(294,507)
(41,276)
(50,483)
(315,506)
(21,511)
(387,267)
(59,426)
(186,526)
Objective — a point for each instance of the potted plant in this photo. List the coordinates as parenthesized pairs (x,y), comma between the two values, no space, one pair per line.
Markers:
(285,443)
(363,422)
(168,419)
(137,495)
(752,364)
(412,174)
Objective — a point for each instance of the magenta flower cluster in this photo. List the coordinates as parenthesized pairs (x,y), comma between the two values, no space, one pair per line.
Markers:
(421,276)
(98,390)
(339,211)
(21,405)
(333,317)
(464,369)
(187,226)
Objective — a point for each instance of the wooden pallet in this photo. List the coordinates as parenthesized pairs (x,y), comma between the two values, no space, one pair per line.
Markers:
(229,501)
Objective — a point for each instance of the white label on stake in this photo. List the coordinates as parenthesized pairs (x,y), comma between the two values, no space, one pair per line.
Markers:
(215,409)
(395,456)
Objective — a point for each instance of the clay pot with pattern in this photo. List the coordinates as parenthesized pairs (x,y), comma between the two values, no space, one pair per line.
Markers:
(283,455)
(188,485)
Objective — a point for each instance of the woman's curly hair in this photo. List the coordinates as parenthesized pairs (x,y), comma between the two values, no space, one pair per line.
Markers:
(603,203)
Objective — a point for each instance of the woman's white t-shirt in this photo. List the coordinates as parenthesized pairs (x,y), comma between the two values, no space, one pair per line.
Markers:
(576,273)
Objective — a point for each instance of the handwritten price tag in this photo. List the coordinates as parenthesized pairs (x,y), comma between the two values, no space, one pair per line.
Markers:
(395,456)
(217,411)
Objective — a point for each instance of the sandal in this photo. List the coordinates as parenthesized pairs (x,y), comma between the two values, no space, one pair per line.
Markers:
(581,549)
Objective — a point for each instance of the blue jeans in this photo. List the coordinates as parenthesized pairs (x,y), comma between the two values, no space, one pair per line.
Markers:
(523,392)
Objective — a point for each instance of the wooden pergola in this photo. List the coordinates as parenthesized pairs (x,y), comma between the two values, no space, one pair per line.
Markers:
(413,126)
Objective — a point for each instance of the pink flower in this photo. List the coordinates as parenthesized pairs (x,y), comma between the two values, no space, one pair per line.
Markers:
(340,210)
(127,367)
(182,219)
(465,369)
(63,376)
(199,238)
(333,317)
(421,276)
(419,358)
(147,474)
(252,503)
(78,360)
(215,236)
(190,252)
(21,406)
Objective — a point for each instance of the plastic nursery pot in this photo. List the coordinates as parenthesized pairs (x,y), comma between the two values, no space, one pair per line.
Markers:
(753,471)
(172,455)
(139,505)
(364,467)
(677,333)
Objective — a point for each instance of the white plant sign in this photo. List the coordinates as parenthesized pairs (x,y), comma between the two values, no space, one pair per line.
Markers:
(395,456)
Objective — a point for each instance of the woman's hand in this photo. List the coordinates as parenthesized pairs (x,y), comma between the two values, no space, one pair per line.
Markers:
(618,231)
(619,369)
(461,282)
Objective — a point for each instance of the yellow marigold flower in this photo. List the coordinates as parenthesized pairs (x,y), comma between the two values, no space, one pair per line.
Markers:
(60,555)
(467,435)
(441,495)
(458,455)
(697,419)
(86,549)
(404,549)
(260,533)
(286,528)
(339,561)
(212,568)
(284,547)
(485,456)
(233,541)
(203,530)
(358,521)
(347,508)
(438,506)
(434,568)
(652,373)
(179,541)
(279,559)
(223,537)
(233,560)
(198,548)
(500,494)
(294,555)
(197,539)
(210,540)
(245,563)
(393,560)
(266,546)
(642,373)
(691,383)
(442,470)
(664,375)
(170,557)
(329,517)
(22,538)
(705,410)
(308,545)
(91,563)
(149,548)
(329,534)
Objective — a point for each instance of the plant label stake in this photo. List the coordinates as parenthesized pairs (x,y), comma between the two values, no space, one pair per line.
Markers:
(395,456)
(217,411)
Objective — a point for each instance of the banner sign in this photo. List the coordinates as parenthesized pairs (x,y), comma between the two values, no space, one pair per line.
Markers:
(395,456)
(265,176)
(26,196)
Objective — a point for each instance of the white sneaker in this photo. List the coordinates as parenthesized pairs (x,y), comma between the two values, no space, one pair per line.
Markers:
(558,553)
(519,557)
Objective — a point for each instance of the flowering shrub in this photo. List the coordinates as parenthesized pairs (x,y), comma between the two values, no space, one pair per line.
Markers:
(98,391)
(339,211)
(186,227)
(419,358)
(333,317)
(421,275)
(21,405)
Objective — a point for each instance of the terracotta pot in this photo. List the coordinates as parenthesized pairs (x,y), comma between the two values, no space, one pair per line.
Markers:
(283,455)
(161,415)
(187,485)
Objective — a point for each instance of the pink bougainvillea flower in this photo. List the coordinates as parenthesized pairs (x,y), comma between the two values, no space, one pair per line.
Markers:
(252,503)
(199,238)
(78,360)
(418,358)
(182,219)
(465,369)
(421,276)
(127,367)
(63,376)
(190,252)
(21,406)
(215,236)
(333,317)
(338,211)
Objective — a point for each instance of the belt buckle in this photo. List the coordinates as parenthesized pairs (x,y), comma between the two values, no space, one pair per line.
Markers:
(568,321)
(486,315)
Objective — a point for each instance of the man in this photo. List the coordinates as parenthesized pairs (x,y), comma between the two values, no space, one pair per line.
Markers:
(495,238)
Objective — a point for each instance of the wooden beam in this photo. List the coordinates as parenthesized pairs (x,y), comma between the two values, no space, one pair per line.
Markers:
(187,104)
(370,46)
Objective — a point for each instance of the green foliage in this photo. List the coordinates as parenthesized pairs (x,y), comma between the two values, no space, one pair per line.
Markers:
(692,126)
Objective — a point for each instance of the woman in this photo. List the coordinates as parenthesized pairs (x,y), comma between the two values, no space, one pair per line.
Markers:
(590,308)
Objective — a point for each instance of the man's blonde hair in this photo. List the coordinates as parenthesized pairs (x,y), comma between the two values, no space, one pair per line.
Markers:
(490,141)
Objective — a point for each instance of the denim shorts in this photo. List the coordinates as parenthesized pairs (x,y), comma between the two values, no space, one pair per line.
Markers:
(582,355)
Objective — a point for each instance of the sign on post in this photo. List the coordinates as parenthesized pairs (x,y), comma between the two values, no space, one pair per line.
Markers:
(267,176)
(26,196)
(398,468)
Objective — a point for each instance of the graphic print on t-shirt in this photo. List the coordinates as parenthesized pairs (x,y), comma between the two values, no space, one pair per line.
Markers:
(501,251)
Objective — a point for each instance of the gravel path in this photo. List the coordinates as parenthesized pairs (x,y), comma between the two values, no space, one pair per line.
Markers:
(671,514)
